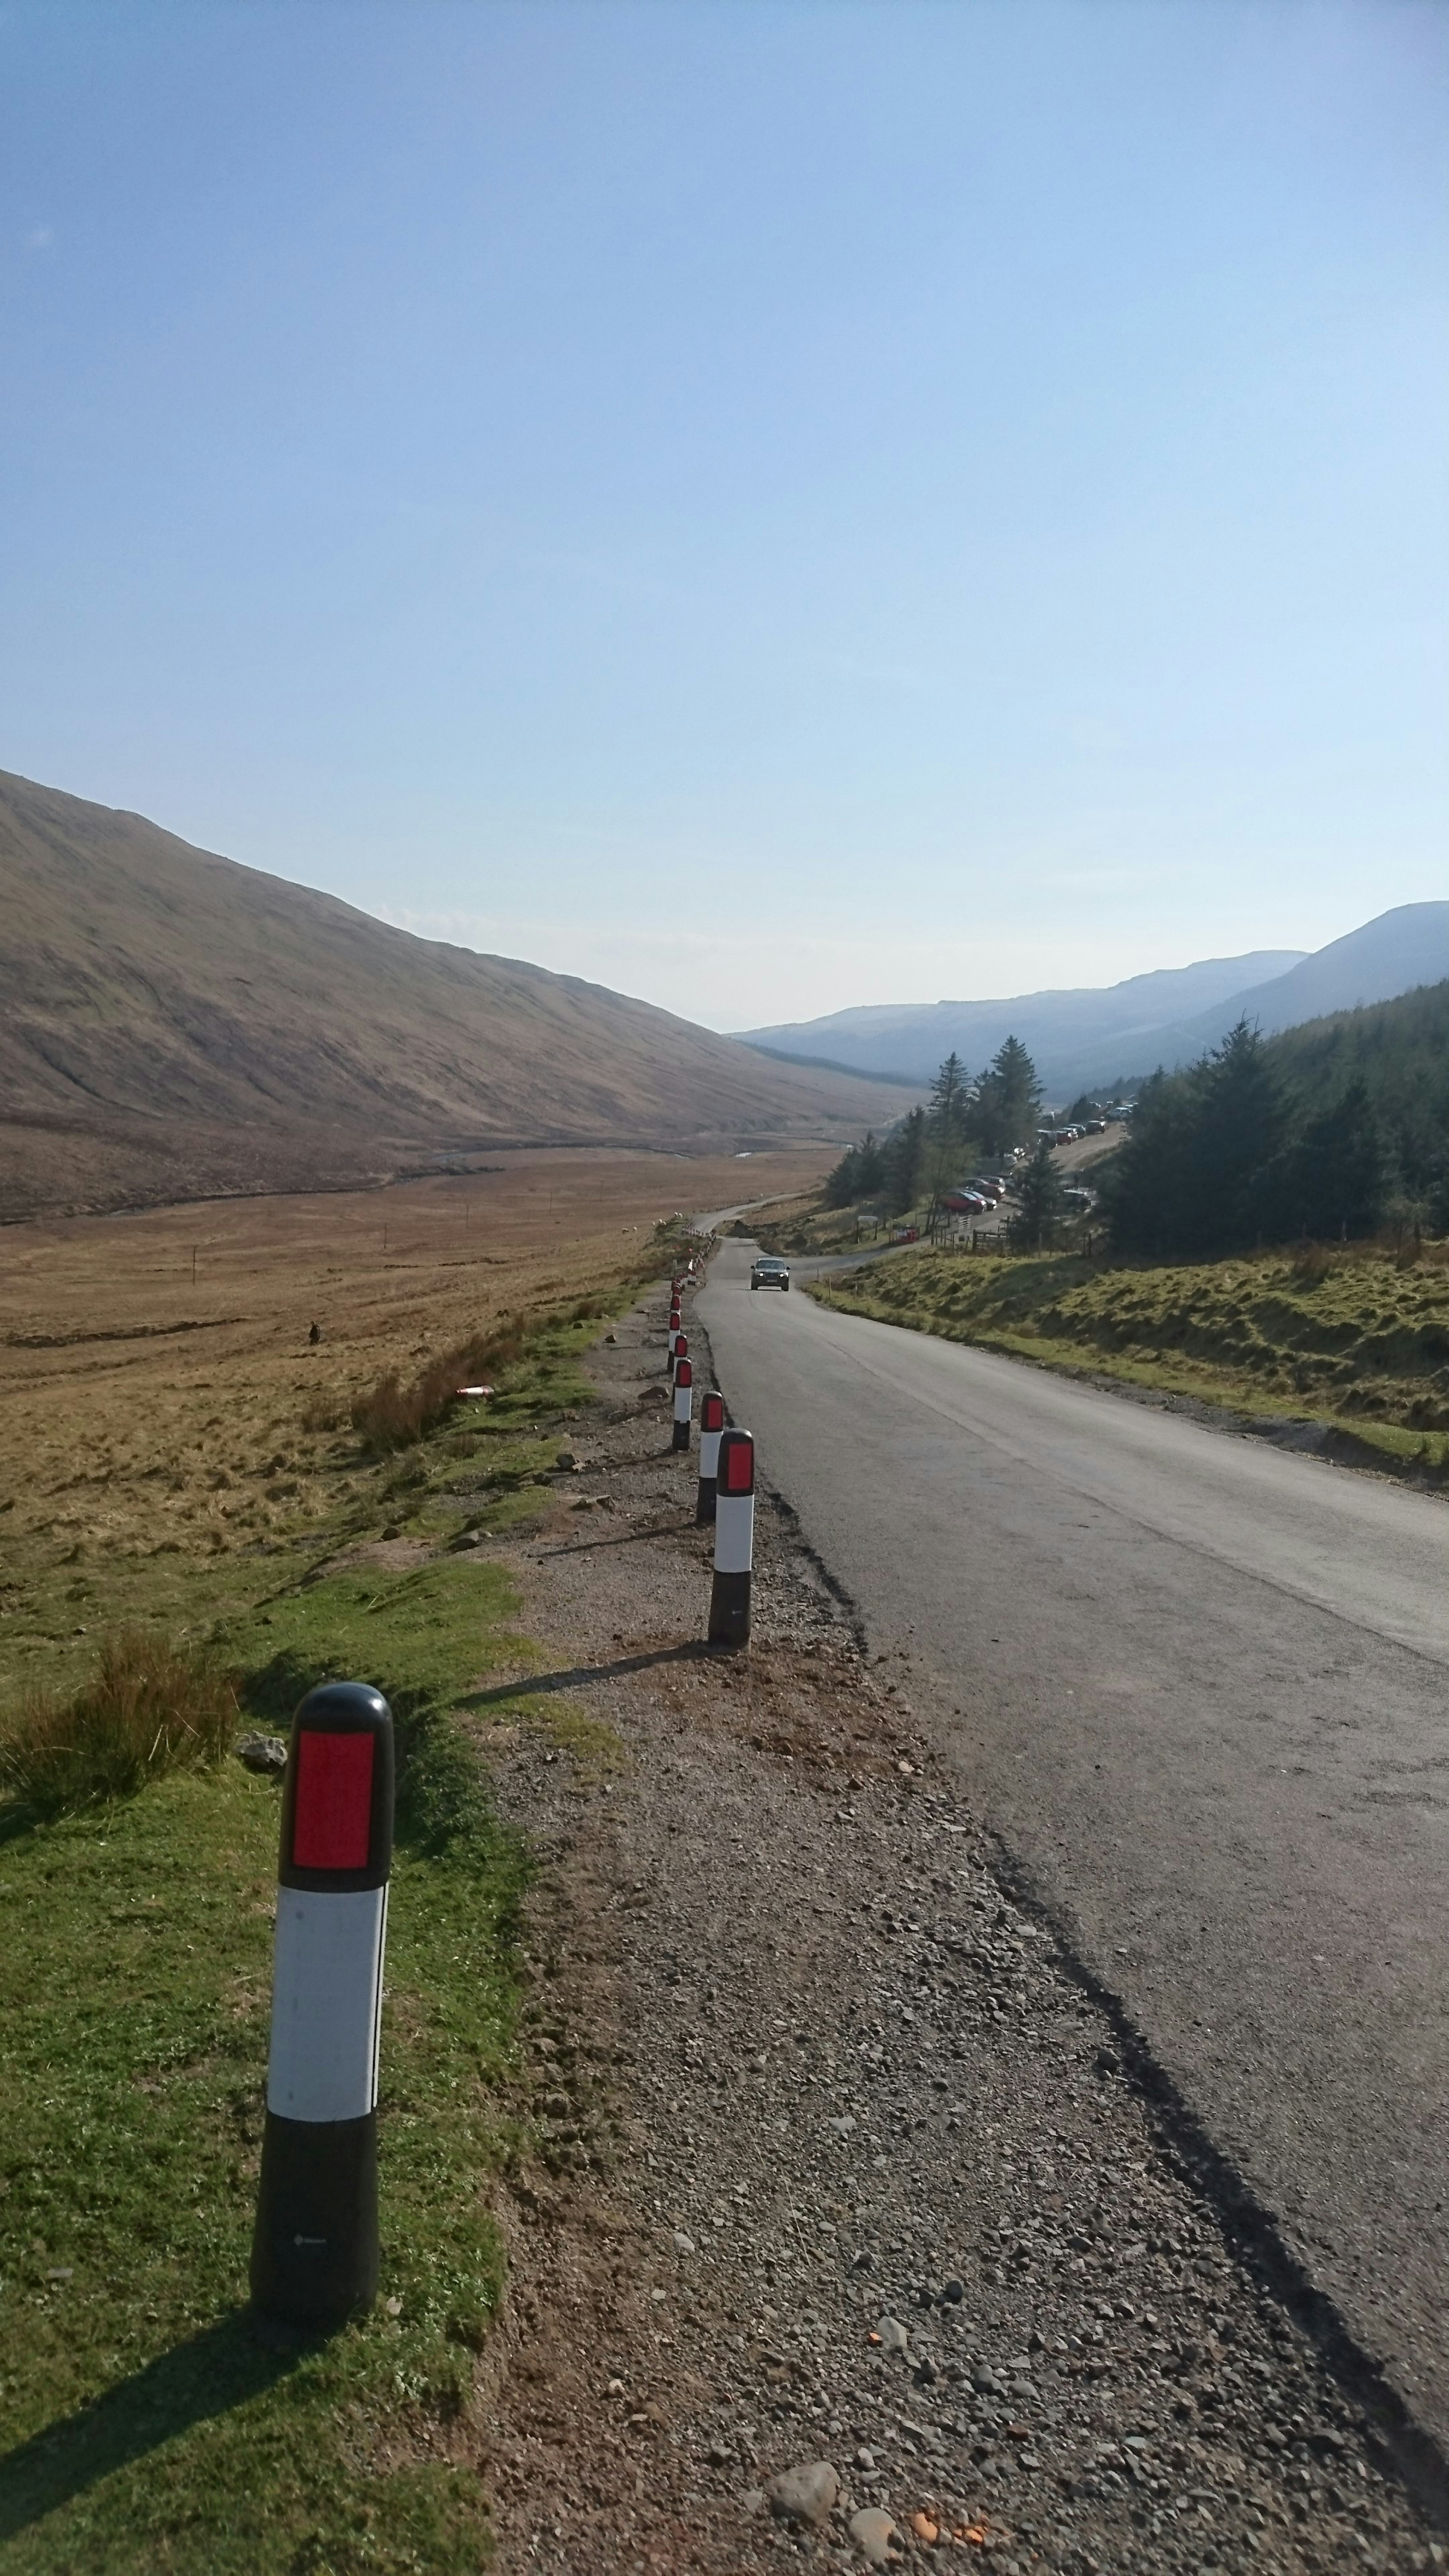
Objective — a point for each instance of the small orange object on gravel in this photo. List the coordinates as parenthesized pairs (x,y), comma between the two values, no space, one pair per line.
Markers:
(925,2529)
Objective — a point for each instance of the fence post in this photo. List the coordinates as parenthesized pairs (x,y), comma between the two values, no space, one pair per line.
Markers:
(315,2248)
(734,1540)
(711,1424)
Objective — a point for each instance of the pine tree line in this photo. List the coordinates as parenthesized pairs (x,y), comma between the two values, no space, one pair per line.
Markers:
(1330,1131)
(966,1123)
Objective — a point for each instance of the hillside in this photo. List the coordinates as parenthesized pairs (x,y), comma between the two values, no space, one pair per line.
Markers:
(1396,953)
(1057,1028)
(1082,1039)
(173,1025)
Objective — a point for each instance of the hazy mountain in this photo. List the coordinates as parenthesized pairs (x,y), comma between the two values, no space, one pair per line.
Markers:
(913,1037)
(1392,954)
(175,1026)
(1079,1039)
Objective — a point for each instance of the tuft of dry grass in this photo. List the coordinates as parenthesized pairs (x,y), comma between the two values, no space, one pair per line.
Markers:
(391,1415)
(1312,1263)
(149,1707)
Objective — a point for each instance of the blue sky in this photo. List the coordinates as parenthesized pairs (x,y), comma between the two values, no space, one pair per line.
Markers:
(767,507)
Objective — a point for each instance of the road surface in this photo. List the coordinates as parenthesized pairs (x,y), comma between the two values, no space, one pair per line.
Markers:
(1201,1690)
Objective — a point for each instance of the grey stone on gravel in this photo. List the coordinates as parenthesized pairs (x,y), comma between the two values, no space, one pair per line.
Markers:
(804,2495)
(266,1754)
(872,2532)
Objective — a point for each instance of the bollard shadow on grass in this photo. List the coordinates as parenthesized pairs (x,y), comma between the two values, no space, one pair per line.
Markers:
(209,2374)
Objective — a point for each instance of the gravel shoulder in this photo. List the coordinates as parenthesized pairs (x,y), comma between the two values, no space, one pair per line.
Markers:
(837,2158)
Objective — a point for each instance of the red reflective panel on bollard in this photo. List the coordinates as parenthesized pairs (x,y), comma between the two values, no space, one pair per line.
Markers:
(681,1347)
(684,1373)
(332,1820)
(712,1417)
(736,1463)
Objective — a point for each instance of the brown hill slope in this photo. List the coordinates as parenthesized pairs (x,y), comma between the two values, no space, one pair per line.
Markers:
(175,1026)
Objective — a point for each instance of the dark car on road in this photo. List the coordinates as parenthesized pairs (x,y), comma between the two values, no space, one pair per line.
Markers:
(769,1273)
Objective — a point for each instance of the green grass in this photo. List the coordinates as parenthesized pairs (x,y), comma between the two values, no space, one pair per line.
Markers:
(1350,1339)
(144,2424)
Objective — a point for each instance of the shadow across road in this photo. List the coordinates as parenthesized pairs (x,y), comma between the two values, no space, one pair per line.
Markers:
(222,2367)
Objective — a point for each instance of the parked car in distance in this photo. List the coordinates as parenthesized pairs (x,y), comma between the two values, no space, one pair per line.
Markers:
(767,1272)
(905,1234)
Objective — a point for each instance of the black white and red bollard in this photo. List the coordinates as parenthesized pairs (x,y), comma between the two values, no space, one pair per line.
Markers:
(315,2248)
(734,1540)
(676,1327)
(683,1401)
(711,1424)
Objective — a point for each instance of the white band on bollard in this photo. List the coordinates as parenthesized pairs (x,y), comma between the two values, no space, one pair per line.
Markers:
(711,1425)
(734,1533)
(326,2004)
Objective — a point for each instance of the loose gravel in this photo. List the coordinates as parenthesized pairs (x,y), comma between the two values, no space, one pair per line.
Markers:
(847,2237)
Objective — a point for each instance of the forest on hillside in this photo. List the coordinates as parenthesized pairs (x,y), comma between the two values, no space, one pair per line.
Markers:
(1330,1132)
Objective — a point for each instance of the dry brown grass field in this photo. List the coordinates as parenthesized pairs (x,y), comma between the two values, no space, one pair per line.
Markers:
(165,1415)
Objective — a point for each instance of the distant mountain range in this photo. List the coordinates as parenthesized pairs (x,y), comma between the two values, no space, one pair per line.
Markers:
(1101,1035)
(175,1026)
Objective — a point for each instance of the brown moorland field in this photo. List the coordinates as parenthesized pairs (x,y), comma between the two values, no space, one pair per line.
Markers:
(165,1415)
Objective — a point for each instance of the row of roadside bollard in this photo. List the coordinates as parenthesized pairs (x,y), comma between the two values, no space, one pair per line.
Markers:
(315,2254)
(726,1493)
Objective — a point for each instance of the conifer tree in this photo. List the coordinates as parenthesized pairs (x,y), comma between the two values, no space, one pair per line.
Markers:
(1040,1201)
(904,1156)
(1008,1099)
(946,1126)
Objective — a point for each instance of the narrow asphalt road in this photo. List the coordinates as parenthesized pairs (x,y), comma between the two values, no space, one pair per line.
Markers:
(1201,1690)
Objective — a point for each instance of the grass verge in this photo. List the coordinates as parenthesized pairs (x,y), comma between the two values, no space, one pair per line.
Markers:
(1352,1339)
(144,2425)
